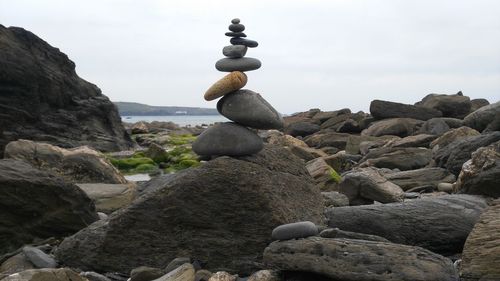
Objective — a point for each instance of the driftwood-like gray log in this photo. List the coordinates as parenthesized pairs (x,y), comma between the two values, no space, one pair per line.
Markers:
(440,224)
(355,260)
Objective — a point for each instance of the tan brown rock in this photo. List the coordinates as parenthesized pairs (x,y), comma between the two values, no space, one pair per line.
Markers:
(223,276)
(229,83)
(481,255)
(265,275)
(46,274)
(453,135)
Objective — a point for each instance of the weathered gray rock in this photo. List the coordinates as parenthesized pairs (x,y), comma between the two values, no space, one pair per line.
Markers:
(368,185)
(265,275)
(237,27)
(110,197)
(94,276)
(342,161)
(239,64)
(334,122)
(302,129)
(481,254)
(46,274)
(420,140)
(294,230)
(38,258)
(235,34)
(454,155)
(386,109)
(77,165)
(322,173)
(434,126)
(478,103)
(175,263)
(354,142)
(401,127)
(334,199)
(402,158)
(146,273)
(337,233)
(481,174)
(323,116)
(352,260)
(14,264)
(202,210)
(250,109)
(43,99)
(443,232)
(325,139)
(235,51)
(420,178)
(307,153)
(484,118)
(456,106)
(223,276)
(227,139)
(453,135)
(37,204)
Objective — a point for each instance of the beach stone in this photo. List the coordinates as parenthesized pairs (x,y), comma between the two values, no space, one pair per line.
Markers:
(421,177)
(146,273)
(235,51)
(15,264)
(481,255)
(420,140)
(239,64)
(334,199)
(402,158)
(401,127)
(478,103)
(110,197)
(175,263)
(223,276)
(235,21)
(228,139)
(237,27)
(453,135)
(246,42)
(38,258)
(46,274)
(94,276)
(385,109)
(445,187)
(265,275)
(250,109)
(229,83)
(301,129)
(295,230)
(434,126)
(185,272)
(354,260)
(236,34)
(327,139)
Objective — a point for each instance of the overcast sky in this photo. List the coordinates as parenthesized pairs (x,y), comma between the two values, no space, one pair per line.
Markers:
(315,54)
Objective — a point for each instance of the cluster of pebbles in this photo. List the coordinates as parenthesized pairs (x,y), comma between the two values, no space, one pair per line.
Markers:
(247,109)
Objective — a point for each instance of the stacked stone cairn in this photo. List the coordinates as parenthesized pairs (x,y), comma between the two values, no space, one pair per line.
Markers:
(247,109)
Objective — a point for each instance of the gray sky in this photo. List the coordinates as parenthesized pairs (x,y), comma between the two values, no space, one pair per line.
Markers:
(314,53)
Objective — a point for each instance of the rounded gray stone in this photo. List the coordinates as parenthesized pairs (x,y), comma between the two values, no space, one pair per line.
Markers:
(236,34)
(235,21)
(295,230)
(38,258)
(239,64)
(227,139)
(235,51)
(250,109)
(242,41)
(237,27)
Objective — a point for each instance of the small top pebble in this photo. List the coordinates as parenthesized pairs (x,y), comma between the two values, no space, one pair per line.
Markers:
(235,21)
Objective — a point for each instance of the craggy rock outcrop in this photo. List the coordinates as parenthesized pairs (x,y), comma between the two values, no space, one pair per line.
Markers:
(37,204)
(481,174)
(439,224)
(43,99)
(77,165)
(481,255)
(454,155)
(221,213)
(354,260)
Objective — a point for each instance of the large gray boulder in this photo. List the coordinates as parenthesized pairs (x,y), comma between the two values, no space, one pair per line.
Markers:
(440,224)
(221,213)
(401,127)
(386,109)
(43,99)
(456,106)
(481,255)
(355,260)
(454,155)
(36,204)
(402,158)
(481,174)
(77,165)
(485,118)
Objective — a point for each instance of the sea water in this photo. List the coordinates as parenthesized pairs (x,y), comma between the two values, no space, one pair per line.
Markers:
(181,120)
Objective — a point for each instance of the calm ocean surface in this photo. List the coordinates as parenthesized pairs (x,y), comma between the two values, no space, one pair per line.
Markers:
(181,120)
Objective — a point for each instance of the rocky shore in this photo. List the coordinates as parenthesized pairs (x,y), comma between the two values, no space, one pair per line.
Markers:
(403,192)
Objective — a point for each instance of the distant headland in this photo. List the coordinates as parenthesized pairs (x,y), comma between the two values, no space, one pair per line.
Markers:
(138,109)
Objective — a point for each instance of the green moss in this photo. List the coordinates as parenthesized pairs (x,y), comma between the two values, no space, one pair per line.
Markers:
(131,163)
(335,176)
(139,154)
(145,168)
(181,139)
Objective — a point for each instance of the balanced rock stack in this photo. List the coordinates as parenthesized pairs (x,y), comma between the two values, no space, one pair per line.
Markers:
(246,108)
